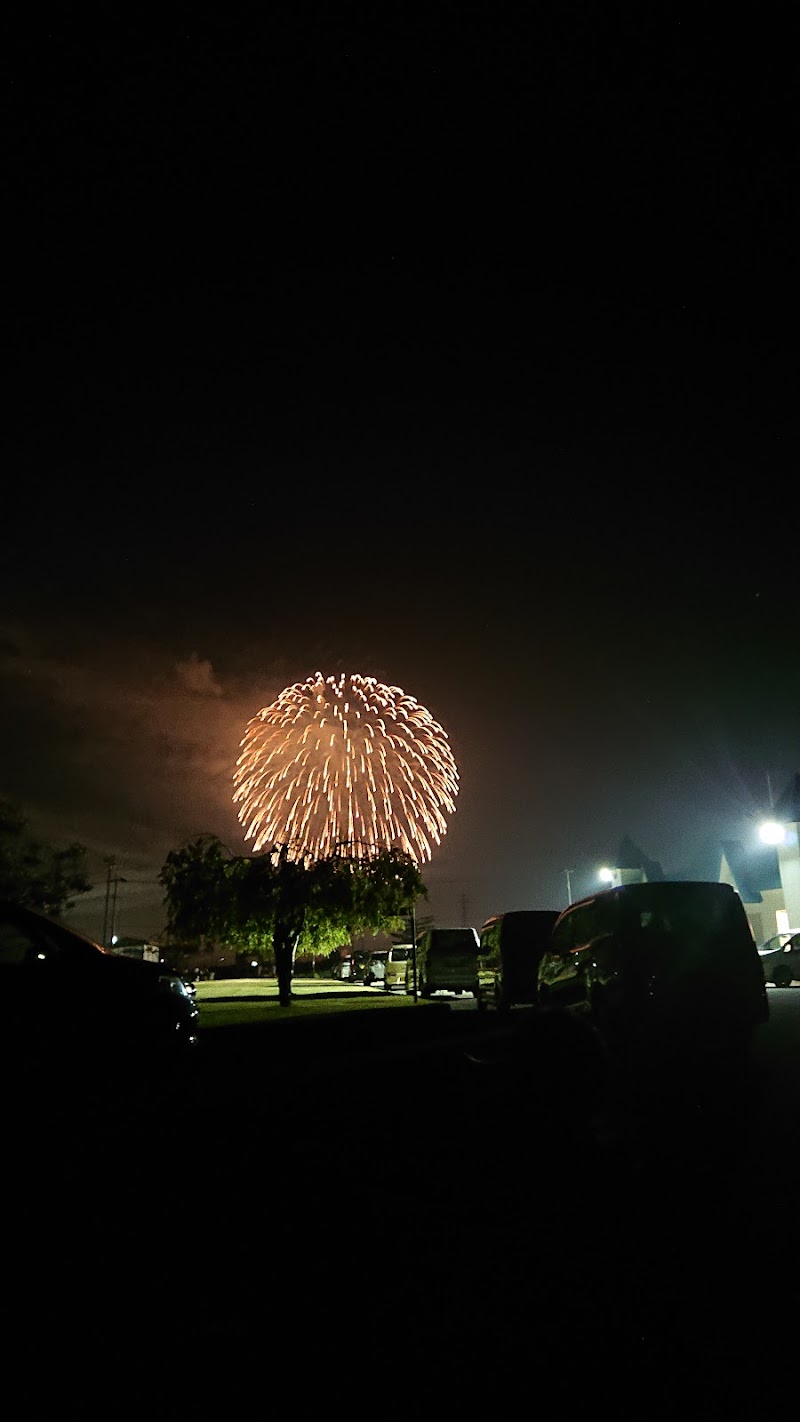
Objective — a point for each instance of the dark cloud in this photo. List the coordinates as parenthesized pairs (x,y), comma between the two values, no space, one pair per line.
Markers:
(198,677)
(460,356)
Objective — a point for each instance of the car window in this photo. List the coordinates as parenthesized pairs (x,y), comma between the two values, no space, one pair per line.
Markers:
(490,936)
(583,924)
(172,984)
(14,945)
(454,938)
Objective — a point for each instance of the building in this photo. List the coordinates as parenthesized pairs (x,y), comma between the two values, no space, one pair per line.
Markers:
(137,948)
(765,876)
(633,866)
(755,875)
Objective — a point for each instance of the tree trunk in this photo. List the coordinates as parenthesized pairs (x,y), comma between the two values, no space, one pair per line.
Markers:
(285,946)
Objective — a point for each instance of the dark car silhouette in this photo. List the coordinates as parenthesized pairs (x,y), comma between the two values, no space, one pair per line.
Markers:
(780,958)
(67,1002)
(511,948)
(660,962)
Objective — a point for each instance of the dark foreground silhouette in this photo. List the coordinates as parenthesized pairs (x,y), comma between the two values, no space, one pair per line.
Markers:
(451,1216)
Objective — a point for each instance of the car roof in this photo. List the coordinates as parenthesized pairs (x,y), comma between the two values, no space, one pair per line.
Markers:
(35,919)
(653,890)
(530,914)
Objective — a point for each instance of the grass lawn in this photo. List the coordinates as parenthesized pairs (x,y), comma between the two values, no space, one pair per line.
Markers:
(229,1002)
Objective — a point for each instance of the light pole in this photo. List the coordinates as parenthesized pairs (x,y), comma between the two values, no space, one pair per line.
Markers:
(110,862)
(414,950)
(110,916)
(568,873)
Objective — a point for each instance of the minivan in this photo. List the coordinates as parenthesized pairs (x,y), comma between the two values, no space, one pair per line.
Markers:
(396,961)
(446,961)
(665,962)
(511,947)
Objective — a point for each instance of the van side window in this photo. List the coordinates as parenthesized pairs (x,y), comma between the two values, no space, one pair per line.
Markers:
(490,938)
(564,934)
(584,925)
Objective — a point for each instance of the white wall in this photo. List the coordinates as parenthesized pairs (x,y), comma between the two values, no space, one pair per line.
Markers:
(789,861)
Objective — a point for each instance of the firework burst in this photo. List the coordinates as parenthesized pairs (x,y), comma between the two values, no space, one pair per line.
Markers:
(345,762)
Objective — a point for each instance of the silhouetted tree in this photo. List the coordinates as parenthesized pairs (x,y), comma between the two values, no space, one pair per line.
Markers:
(34,873)
(296,902)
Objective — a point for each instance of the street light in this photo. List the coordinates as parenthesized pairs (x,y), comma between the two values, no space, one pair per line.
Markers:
(771,832)
(607,875)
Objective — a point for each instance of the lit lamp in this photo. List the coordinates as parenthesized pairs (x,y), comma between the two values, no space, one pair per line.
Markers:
(607,876)
(772,833)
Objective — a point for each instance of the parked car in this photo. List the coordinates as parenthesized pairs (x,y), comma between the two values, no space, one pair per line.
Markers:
(375,969)
(178,983)
(659,964)
(780,958)
(66,1000)
(187,982)
(343,970)
(396,960)
(446,961)
(511,947)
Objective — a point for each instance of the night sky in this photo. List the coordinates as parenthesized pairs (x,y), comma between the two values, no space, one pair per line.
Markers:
(437,345)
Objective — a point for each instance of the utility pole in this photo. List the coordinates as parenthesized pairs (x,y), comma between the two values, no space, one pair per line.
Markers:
(111,863)
(110,914)
(413,917)
(115,881)
(569,872)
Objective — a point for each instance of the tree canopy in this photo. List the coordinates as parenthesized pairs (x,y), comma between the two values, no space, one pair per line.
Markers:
(289,904)
(34,873)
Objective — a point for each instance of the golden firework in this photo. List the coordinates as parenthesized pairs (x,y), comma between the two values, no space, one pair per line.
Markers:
(345,764)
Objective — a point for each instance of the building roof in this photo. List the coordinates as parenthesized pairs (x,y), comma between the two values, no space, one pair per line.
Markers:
(630,856)
(755,870)
(788,806)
